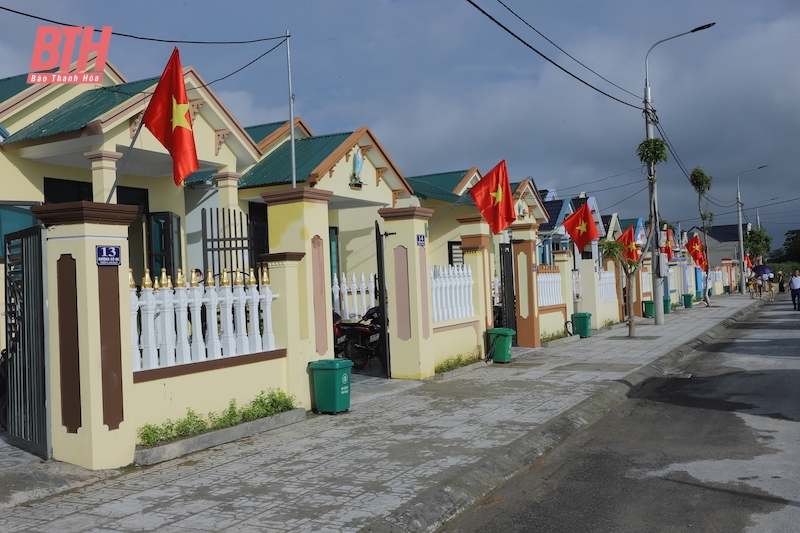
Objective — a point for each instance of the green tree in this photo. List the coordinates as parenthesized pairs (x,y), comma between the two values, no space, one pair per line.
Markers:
(790,251)
(702,184)
(757,243)
(614,250)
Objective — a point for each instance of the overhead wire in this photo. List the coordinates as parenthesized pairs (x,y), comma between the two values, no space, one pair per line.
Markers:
(138,37)
(528,45)
(564,51)
(602,179)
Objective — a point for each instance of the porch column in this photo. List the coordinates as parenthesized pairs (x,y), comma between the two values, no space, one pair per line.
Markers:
(104,173)
(286,320)
(590,287)
(524,245)
(91,367)
(228,189)
(476,245)
(408,292)
(298,222)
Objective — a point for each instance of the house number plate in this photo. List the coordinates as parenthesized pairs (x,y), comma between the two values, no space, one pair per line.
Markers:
(108,255)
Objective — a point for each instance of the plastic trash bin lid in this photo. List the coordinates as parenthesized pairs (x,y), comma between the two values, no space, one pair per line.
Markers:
(330,364)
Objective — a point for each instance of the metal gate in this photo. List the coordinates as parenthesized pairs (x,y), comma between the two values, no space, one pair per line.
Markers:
(380,285)
(230,241)
(508,311)
(25,341)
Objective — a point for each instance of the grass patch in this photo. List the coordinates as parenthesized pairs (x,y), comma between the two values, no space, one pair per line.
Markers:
(547,337)
(267,403)
(610,322)
(456,361)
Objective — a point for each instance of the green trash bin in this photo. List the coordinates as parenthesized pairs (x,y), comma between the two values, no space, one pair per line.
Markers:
(687,300)
(501,339)
(698,294)
(582,322)
(331,384)
(726,289)
(649,308)
(667,305)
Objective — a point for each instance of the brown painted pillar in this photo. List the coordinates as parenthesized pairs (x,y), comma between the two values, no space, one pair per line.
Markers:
(91,369)
(524,246)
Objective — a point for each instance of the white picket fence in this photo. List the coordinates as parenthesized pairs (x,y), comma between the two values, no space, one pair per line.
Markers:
(607,286)
(451,287)
(166,322)
(548,280)
(354,299)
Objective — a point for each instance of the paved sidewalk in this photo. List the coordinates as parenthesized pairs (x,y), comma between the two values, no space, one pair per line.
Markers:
(408,456)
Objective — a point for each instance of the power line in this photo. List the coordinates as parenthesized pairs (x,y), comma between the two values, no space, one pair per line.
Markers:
(520,39)
(129,36)
(625,199)
(602,179)
(565,52)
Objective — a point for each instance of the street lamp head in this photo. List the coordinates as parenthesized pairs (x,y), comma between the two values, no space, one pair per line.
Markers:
(703,27)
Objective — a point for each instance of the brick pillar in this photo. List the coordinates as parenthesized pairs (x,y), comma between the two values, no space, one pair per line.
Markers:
(524,246)
(91,369)
(104,173)
(408,291)
(299,227)
(476,244)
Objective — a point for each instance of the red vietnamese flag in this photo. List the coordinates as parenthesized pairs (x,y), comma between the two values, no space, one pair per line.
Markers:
(581,227)
(667,249)
(630,252)
(492,196)
(695,248)
(169,119)
(747,262)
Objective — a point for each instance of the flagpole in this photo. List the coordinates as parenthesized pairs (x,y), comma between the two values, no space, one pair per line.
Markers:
(124,161)
(291,111)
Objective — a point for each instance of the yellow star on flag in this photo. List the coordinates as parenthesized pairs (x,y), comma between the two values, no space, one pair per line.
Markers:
(696,247)
(498,196)
(632,246)
(582,227)
(179,115)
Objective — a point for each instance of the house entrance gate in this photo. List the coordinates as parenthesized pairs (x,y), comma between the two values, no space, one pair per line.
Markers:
(25,341)
(508,311)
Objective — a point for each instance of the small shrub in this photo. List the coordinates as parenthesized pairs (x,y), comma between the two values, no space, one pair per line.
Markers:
(547,337)
(610,322)
(455,361)
(267,403)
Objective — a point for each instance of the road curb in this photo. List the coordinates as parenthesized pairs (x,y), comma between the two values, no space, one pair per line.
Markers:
(469,485)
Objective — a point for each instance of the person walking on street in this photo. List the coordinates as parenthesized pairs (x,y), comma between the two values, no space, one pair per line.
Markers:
(781,282)
(771,286)
(794,286)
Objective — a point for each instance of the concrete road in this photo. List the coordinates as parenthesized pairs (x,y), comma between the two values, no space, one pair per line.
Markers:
(713,448)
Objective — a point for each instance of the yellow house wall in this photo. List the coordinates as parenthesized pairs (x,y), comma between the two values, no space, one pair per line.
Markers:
(550,323)
(357,239)
(457,337)
(155,402)
(443,228)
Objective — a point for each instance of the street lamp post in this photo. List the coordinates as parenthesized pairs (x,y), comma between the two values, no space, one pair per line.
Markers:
(655,254)
(742,284)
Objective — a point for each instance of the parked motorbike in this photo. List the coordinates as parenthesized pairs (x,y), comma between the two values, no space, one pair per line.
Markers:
(359,341)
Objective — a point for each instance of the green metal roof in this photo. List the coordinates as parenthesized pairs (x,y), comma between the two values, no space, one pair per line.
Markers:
(10,87)
(81,110)
(276,167)
(446,181)
(262,131)
(201,176)
(624,223)
(425,190)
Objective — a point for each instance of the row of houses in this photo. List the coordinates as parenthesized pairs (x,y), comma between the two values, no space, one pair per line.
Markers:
(109,326)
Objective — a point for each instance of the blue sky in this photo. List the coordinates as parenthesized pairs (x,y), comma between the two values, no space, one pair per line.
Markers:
(444,88)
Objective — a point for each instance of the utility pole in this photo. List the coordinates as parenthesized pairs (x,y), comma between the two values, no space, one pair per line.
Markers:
(655,250)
